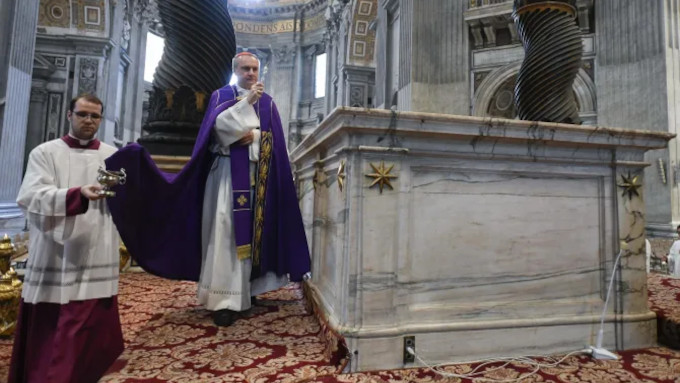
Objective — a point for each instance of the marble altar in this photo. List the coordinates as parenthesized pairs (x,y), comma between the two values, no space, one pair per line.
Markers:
(478,236)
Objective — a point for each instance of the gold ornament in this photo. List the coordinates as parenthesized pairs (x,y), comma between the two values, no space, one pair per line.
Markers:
(319,178)
(7,250)
(341,175)
(242,200)
(382,176)
(124,256)
(630,185)
(10,289)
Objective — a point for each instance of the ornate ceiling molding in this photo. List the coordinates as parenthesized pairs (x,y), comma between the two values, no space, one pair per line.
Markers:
(147,10)
(486,17)
(273,8)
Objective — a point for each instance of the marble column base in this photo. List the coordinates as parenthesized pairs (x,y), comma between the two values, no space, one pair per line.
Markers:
(381,347)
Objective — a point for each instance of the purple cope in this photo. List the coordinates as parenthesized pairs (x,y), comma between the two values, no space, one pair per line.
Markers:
(158,214)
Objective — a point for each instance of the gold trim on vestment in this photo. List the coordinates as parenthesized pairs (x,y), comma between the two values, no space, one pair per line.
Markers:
(243,252)
(266,147)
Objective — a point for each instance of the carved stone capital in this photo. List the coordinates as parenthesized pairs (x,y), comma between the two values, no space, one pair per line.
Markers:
(125,34)
(146,11)
(39,91)
(391,5)
(312,51)
(284,55)
(334,14)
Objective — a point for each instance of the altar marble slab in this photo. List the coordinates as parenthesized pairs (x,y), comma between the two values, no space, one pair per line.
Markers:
(497,237)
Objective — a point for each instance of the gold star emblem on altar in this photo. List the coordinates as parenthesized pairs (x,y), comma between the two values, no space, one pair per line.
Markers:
(242,200)
(381,176)
(630,185)
(341,175)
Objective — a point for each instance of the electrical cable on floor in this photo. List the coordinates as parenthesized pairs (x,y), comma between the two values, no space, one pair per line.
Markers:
(528,360)
(597,351)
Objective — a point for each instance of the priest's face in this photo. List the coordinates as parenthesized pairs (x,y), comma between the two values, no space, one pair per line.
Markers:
(85,119)
(248,71)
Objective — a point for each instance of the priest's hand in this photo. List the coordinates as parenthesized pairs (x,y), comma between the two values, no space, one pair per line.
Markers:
(91,192)
(247,139)
(255,93)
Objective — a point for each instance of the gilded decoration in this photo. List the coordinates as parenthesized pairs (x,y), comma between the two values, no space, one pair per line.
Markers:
(381,176)
(91,15)
(124,255)
(315,22)
(54,13)
(341,175)
(362,38)
(10,289)
(266,148)
(319,178)
(278,26)
(242,200)
(630,185)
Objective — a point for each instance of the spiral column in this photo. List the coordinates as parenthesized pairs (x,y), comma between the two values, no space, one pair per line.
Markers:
(553,46)
(199,46)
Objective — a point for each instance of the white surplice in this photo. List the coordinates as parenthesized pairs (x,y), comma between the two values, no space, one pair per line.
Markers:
(70,257)
(225,280)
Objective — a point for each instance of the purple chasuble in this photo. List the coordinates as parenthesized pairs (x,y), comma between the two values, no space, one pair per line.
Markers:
(158,215)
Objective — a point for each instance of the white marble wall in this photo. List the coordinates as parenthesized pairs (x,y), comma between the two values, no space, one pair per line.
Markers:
(498,237)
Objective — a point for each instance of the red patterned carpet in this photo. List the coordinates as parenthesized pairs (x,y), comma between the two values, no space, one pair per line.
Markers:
(664,300)
(642,366)
(170,338)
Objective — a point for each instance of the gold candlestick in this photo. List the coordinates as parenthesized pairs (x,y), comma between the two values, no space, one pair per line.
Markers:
(10,289)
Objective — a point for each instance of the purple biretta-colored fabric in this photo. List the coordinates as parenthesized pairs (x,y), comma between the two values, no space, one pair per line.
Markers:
(158,215)
(73,342)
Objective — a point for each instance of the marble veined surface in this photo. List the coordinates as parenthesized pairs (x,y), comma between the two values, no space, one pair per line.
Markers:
(490,237)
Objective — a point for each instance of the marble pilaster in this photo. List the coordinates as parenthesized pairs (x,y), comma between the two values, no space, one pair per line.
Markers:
(360,85)
(330,59)
(281,82)
(425,48)
(19,20)
(380,57)
(630,75)
(134,89)
(111,76)
(35,129)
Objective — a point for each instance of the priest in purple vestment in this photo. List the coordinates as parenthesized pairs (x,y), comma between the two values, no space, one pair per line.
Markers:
(230,219)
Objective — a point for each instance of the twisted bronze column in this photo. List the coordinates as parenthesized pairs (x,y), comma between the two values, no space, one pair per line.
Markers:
(552,42)
(199,46)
